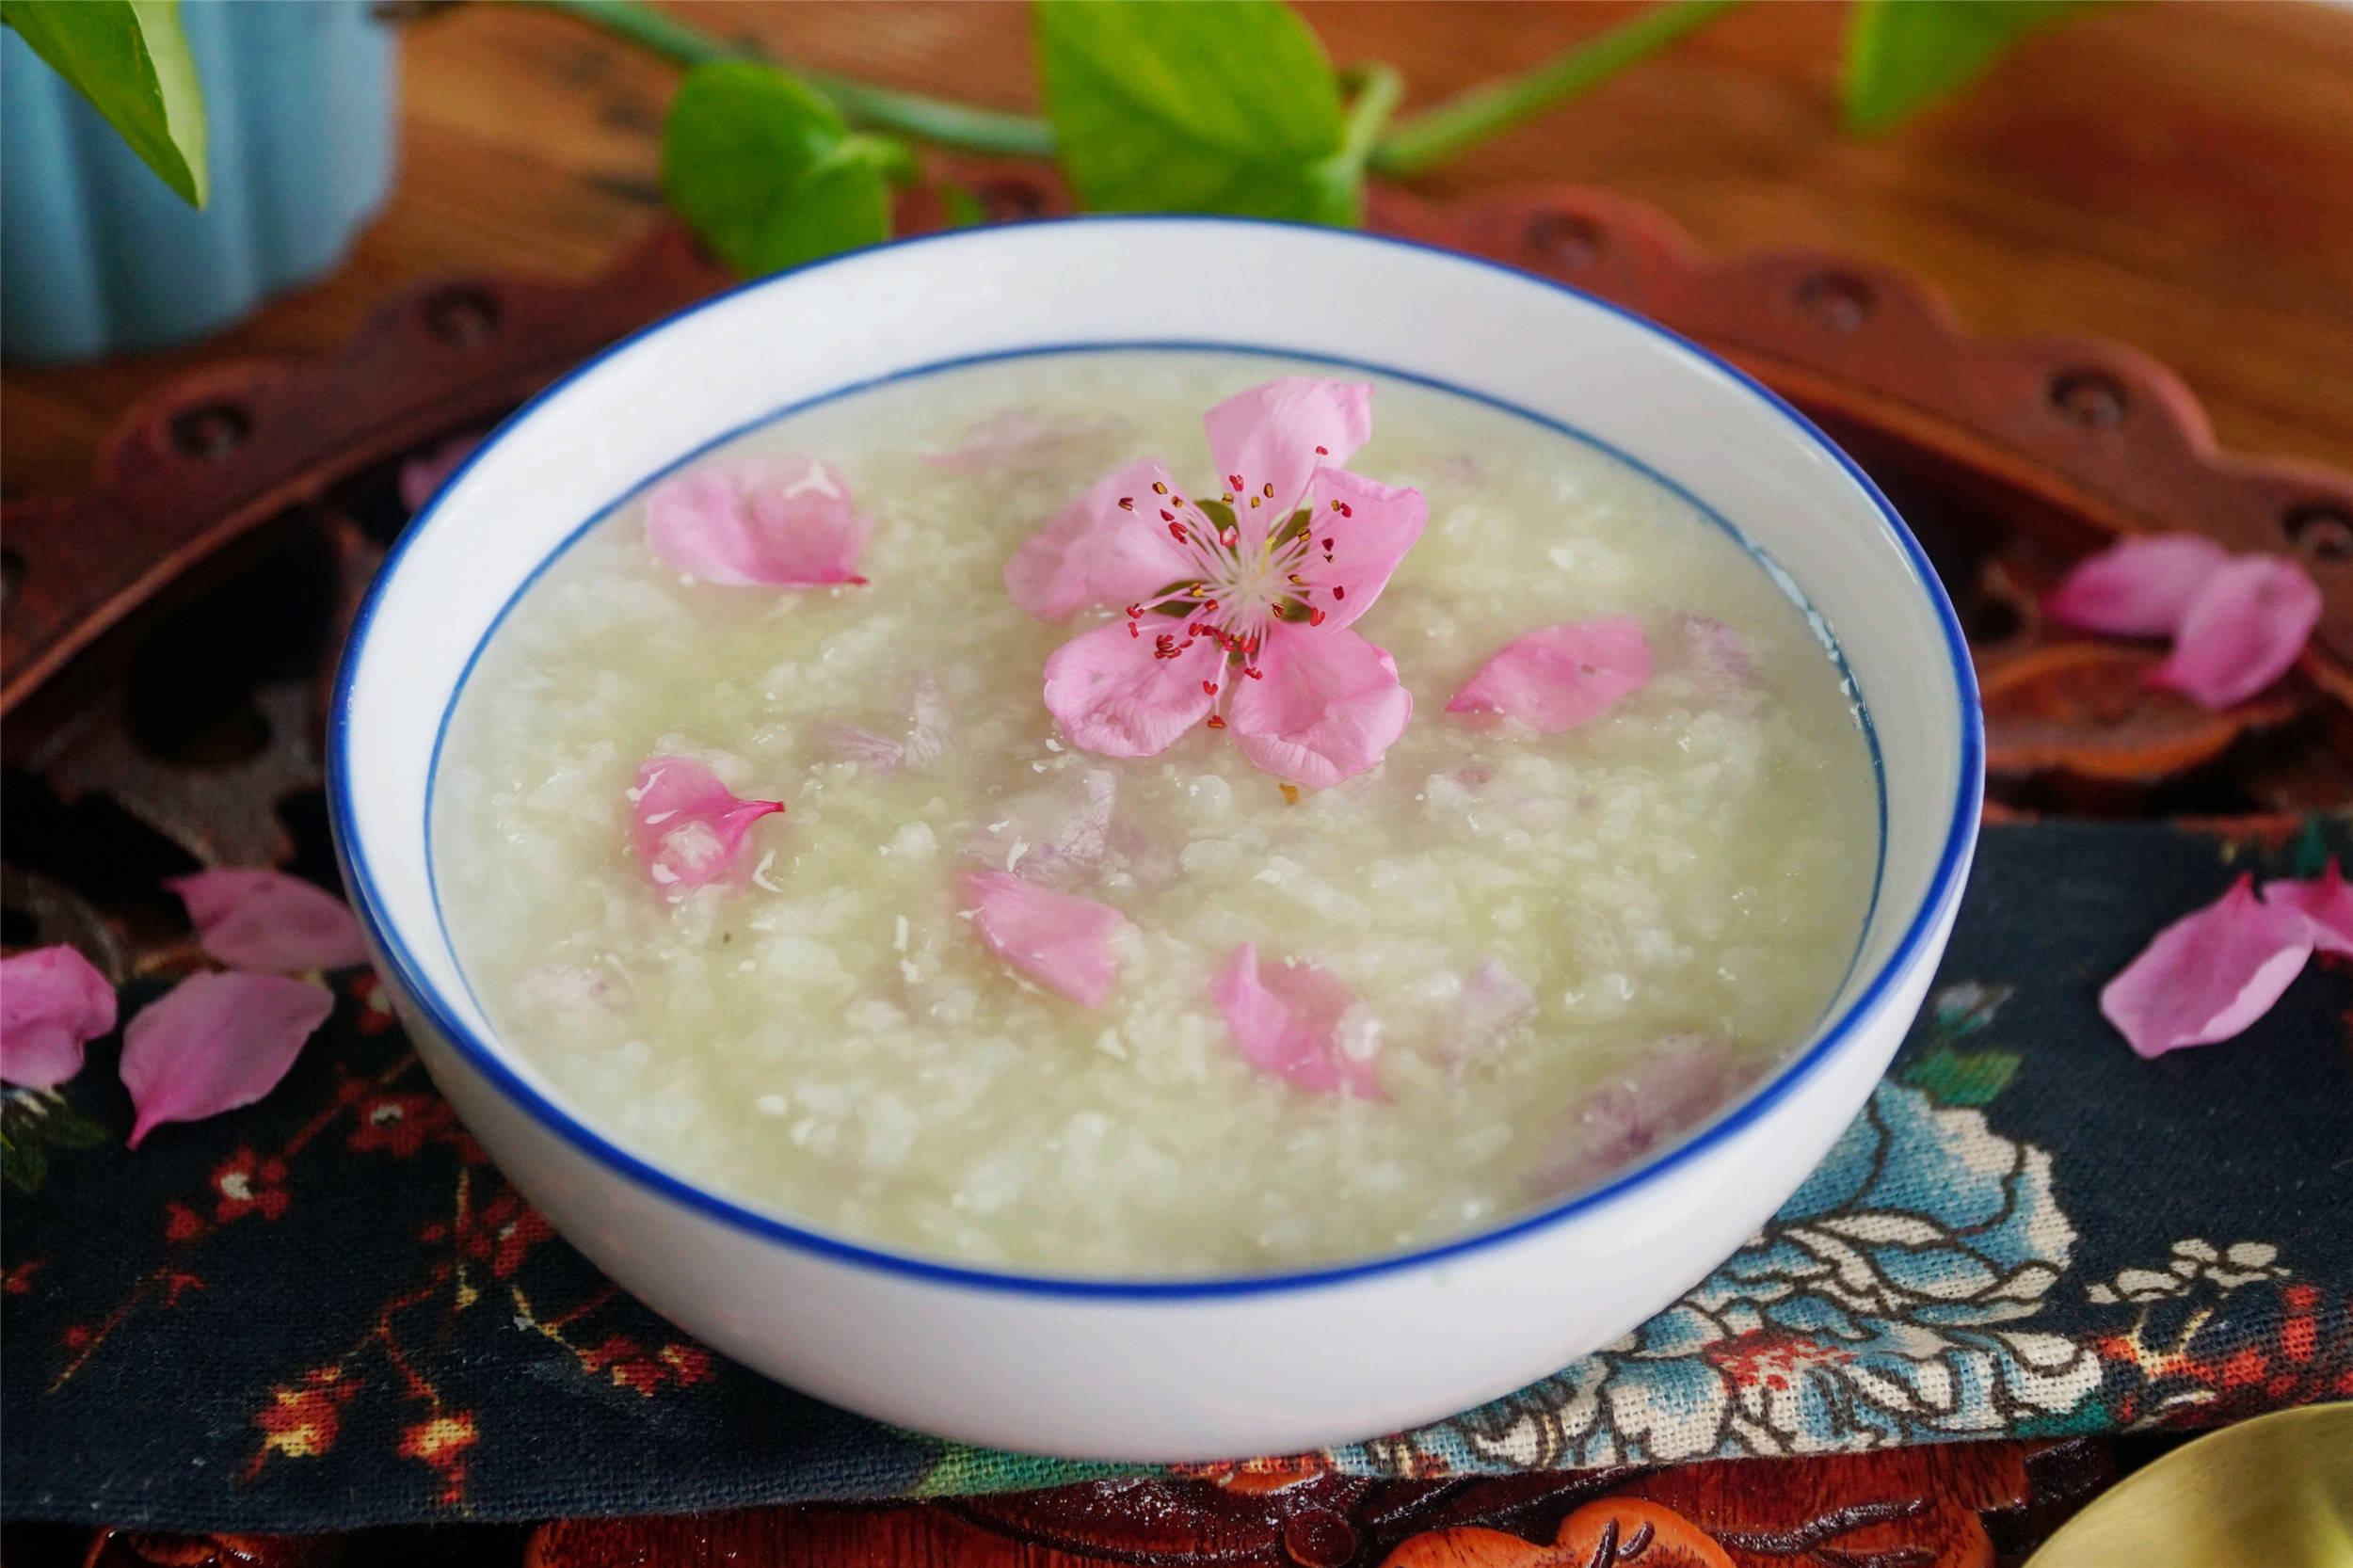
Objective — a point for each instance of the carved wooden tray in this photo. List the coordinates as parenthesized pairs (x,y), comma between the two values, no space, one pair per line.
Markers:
(169,632)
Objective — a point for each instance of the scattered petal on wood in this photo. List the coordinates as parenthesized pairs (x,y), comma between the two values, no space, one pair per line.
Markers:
(2243,631)
(2137,587)
(52,1002)
(2209,974)
(214,1042)
(267,920)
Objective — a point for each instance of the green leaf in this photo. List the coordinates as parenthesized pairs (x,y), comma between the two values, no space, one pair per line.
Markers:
(767,173)
(1228,107)
(1904,55)
(131,61)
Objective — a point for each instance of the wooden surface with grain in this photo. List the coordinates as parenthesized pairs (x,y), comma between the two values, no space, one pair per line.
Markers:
(2177,177)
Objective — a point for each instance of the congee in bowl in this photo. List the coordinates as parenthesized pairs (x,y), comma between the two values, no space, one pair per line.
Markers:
(1002,816)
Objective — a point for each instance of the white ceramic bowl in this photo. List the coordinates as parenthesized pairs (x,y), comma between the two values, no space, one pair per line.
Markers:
(1193,1370)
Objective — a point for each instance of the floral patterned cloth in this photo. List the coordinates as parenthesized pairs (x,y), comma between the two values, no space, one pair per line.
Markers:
(329,1310)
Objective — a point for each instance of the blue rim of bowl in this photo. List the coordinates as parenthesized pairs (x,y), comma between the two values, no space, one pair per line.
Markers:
(1944,887)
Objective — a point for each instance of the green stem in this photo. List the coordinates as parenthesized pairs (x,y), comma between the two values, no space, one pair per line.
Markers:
(1378,88)
(1431,137)
(932,120)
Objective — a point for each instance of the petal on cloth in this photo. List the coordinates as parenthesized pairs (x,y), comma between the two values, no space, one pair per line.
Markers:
(686,828)
(266,920)
(1057,939)
(214,1042)
(1367,541)
(1114,696)
(1274,437)
(2209,974)
(1327,706)
(784,522)
(2137,587)
(2241,632)
(1286,1021)
(2325,901)
(52,1002)
(1559,677)
(1096,552)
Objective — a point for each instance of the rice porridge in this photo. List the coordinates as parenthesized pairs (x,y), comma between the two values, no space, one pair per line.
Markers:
(924,818)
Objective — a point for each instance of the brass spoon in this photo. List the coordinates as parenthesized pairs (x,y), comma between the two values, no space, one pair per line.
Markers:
(2276,1492)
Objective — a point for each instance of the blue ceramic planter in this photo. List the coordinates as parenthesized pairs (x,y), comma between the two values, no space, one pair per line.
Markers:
(98,256)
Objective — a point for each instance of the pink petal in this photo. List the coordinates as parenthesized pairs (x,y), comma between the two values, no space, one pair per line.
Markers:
(1327,705)
(1054,939)
(760,522)
(1559,677)
(1055,834)
(2325,901)
(2137,587)
(1716,662)
(929,724)
(2241,632)
(2209,975)
(51,1001)
(421,477)
(877,753)
(257,920)
(1493,1008)
(1286,1020)
(1018,436)
(1112,696)
(1280,433)
(1682,1078)
(1367,541)
(686,828)
(214,1042)
(1096,552)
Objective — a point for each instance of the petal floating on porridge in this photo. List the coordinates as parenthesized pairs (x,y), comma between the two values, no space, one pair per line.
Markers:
(1716,663)
(1022,436)
(1055,938)
(879,753)
(1125,694)
(1494,1007)
(1680,1080)
(1268,442)
(2138,588)
(783,523)
(929,724)
(51,1002)
(1055,834)
(1559,677)
(686,828)
(1329,705)
(2209,974)
(266,920)
(1108,547)
(1288,1019)
(2325,901)
(214,1042)
(2242,630)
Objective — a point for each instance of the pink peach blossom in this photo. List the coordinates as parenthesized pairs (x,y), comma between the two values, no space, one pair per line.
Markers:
(214,1042)
(1286,1021)
(2138,586)
(2209,974)
(1239,601)
(52,1003)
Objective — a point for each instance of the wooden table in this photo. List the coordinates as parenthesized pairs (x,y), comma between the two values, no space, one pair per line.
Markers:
(2179,177)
